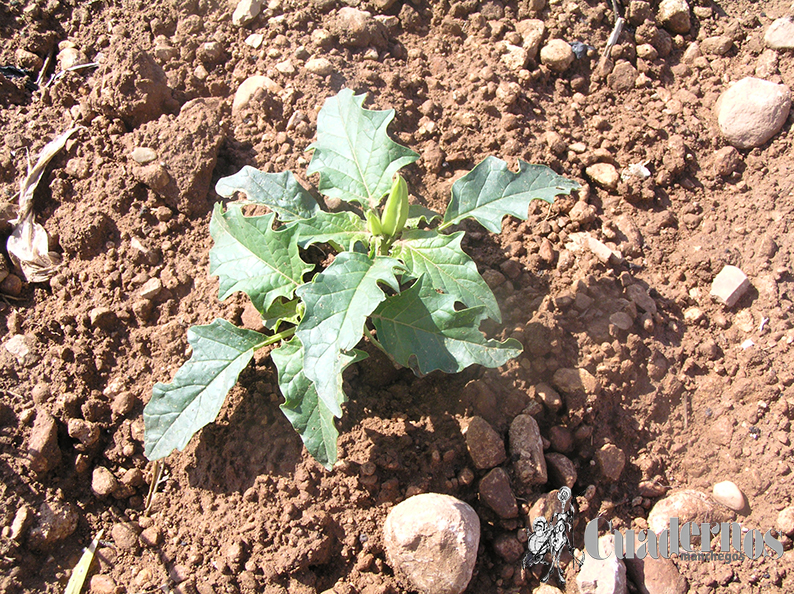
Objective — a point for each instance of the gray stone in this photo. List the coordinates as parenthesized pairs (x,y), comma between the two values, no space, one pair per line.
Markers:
(674,14)
(431,540)
(752,111)
(486,447)
(639,295)
(729,285)
(607,576)
(251,88)
(43,447)
(143,155)
(716,46)
(780,34)
(495,491)
(526,446)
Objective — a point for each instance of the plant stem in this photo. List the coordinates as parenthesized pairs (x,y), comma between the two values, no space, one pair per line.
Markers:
(276,337)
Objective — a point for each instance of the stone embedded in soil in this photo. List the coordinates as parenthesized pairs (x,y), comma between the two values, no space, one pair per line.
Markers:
(102,317)
(621,320)
(606,576)
(508,547)
(640,297)
(495,491)
(562,472)
(557,55)
(151,288)
(431,539)
(780,34)
(674,14)
(785,521)
(572,381)
(69,57)
(752,111)
(546,589)
(43,447)
(651,489)
(102,584)
(655,576)
(532,32)
(486,447)
(611,460)
(22,519)
(716,46)
(143,155)
(729,495)
(726,161)
(549,396)
(687,505)
(623,76)
(151,537)
(125,535)
(131,86)
(515,57)
(85,432)
(358,29)
(526,447)
(604,174)
(245,12)
(252,88)
(319,66)
(729,285)
(57,521)
(103,483)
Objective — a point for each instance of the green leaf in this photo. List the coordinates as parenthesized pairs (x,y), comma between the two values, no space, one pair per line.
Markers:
(309,416)
(421,330)
(490,191)
(178,410)
(339,228)
(338,301)
(353,154)
(418,213)
(281,312)
(280,191)
(446,267)
(250,256)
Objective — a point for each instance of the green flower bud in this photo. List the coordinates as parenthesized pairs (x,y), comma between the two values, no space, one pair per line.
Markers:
(373,222)
(395,211)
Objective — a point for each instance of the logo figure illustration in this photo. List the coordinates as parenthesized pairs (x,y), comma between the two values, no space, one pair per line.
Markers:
(552,539)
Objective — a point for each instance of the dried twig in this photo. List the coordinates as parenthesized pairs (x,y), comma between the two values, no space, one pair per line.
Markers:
(604,63)
(157,473)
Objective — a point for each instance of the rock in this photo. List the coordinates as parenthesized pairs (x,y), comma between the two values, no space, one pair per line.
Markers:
(57,521)
(604,174)
(28,60)
(508,547)
(382,5)
(752,111)
(151,537)
(102,317)
(17,345)
(607,576)
(151,288)
(611,460)
(546,589)
(561,439)
(102,584)
(623,76)
(515,57)
(69,57)
(687,505)
(729,495)
(780,34)
(495,491)
(320,66)
(647,52)
(20,523)
(526,446)
(549,396)
(640,297)
(674,14)
(726,161)
(572,381)
(655,576)
(210,52)
(252,88)
(255,40)
(246,11)
(562,471)
(358,29)
(693,315)
(557,55)
(621,320)
(43,447)
(785,521)
(154,175)
(85,432)
(547,252)
(432,540)
(103,483)
(638,12)
(716,46)
(125,535)
(651,489)
(11,285)
(532,32)
(486,447)
(582,213)
(729,285)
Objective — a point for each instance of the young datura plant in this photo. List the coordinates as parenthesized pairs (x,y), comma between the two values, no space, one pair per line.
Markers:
(400,278)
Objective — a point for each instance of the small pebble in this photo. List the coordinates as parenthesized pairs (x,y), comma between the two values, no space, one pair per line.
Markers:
(729,495)
(557,55)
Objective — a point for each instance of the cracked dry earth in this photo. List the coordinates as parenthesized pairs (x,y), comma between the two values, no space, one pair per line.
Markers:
(642,384)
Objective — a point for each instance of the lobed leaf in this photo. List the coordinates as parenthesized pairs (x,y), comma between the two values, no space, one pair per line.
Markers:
(446,267)
(193,399)
(309,416)
(279,191)
(353,154)
(251,257)
(338,301)
(281,312)
(490,191)
(421,330)
(418,213)
(343,229)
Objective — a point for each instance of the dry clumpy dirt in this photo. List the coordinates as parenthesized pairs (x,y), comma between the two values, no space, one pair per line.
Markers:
(670,389)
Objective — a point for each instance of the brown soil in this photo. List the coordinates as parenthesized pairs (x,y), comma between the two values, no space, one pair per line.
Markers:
(244,509)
